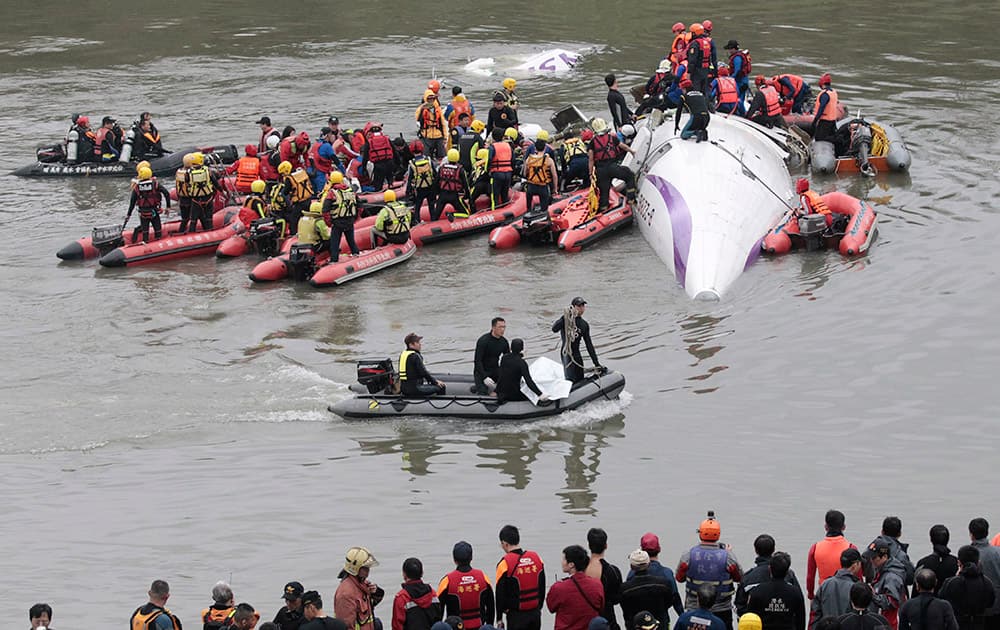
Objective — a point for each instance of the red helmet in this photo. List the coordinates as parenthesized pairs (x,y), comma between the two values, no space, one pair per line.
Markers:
(723,71)
(825,79)
(707,25)
(83,121)
(417,146)
(302,140)
(759,80)
(679,27)
(250,150)
(587,135)
(801,185)
(434,85)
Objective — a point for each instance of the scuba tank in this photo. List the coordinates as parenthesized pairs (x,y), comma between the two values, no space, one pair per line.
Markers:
(71,146)
(127,146)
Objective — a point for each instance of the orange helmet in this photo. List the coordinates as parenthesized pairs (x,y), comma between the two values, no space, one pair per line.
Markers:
(434,85)
(679,27)
(709,530)
(697,29)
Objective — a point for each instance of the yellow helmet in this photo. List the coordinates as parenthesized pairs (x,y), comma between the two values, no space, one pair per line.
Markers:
(510,133)
(543,135)
(197,158)
(257,186)
(482,154)
(478,126)
(315,208)
(336,177)
(750,621)
(599,125)
(509,83)
(144,163)
(453,155)
(285,168)
(388,197)
(359,557)
(145,172)
(188,159)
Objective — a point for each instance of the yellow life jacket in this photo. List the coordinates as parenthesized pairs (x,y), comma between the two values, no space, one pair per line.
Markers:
(199,182)
(277,199)
(403,356)
(312,229)
(256,204)
(537,169)
(343,203)
(180,182)
(422,173)
(397,219)
(301,186)
(574,147)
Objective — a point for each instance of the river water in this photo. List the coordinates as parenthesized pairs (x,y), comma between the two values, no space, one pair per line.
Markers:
(169,421)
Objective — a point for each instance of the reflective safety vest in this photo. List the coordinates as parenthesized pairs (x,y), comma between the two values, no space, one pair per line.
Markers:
(256,204)
(467,589)
(199,182)
(536,169)
(812,202)
(277,199)
(796,82)
(526,569)
(217,617)
(727,91)
(830,113)
(459,107)
(247,171)
(397,219)
(301,186)
(403,356)
(379,148)
(708,566)
(312,229)
(503,158)
(180,182)
(772,100)
(430,117)
(343,203)
(511,98)
(574,147)
(421,173)
(746,66)
(148,194)
(605,147)
(144,616)
(450,176)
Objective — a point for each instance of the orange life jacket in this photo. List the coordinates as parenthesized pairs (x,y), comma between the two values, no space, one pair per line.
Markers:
(430,117)
(537,170)
(827,552)
(727,91)
(247,171)
(217,617)
(772,100)
(457,109)
(678,49)
(143,617)
(796,82)
(467,589)
(503,158)
(830,113)
(812,202)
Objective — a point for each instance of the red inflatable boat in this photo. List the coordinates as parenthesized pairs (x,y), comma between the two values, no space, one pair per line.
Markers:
(443,229)
(566,224)
(302,264)
(173,246)
(811,232)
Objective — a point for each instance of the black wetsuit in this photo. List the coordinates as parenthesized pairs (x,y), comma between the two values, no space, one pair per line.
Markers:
(574,367)
(620,113)
(513,368)
(489,349)
(502,118)
(288,619)
(697,125)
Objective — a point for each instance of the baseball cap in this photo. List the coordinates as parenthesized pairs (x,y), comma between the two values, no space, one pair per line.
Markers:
(638,559)
(107,119)
(310,597)
(325,130)
(411,338)
(293,590)
(645,621)
(264,120)
(650,542)
(333,120)
(578,301)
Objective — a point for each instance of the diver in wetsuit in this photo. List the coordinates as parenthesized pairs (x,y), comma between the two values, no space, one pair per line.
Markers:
(697,106)
(572,359)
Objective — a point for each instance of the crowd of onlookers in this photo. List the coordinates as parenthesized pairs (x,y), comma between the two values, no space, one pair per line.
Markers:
(848,587)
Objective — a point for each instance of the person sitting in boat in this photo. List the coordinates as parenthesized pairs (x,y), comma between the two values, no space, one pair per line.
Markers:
(696,105)
(401,159)
(512,369)
(108,141)
(414,379)
(340,207)
(501,114)
(267,132)
(573,329)
(724,92)
(392,225)
(146,197)
(254,207)
(421,180)
(765,109)
(575,160)
(490,347)
(80,141)
(656,89)
(312,228)
(604,153)
(810,202)
(793,88)
(454,189)
(824,125)
(146,141)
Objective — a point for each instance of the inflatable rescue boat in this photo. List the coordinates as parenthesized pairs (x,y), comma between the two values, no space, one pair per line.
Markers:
(852,235)
(428,232)
(162,167)
(173,246)
(859,141)
(568,224)
(302,263)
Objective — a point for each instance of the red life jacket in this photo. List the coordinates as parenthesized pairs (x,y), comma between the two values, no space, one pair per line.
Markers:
(450,177)
(247,171)
(467,589)
(525,568)
(830,113)
(379,148)
(321,164)
(99,141)
(727,91)
(796,82)
(772,100)
(264,135)
(503,158)
(811,201)
(605,147)
(747,64)
(429,118)
(147,196)
(705,44)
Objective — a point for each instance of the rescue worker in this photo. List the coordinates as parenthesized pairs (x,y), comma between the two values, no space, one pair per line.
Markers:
(675,91)
(712,564)
(479,180)
(740,67)
(486,362)
(313,617)
(146,196)
(696,105)
(201,184)
(725,95)
(779,604)
(322,159)
(294,192)
(860,617)
(824,124)
(508,87)
(763,546)
(416,605)
(108,141)
(765,109)
(414,379)
(604,153)
(269,160)
(714,67)
(181,186)
(266,131)
(699,58)
(221,611)
(392,224)
(340,206)
(469,144)
(701,614)
(541,178)
(83,139)
(433,126)
(146,139)
(434,86)
(453,186)
(244,617)
(794,89)
(824,556)
(254,206)
(458,129)
(501,169)
(341,140)
(833,598)
(295,150)
(514,138)
(644,590)
(656,89)
(459,105)
(378,150)
(810,202)
(679,45)
(520,581)
(575,600)
(575,161)
(312,229)
(356,597)
(620,113)
(513,368)
(290,616)
(154,615)
(247,169)
(421,181)
(940,561)
(925,611)
(573,329)
(466,593)
(501,114)
(402,156)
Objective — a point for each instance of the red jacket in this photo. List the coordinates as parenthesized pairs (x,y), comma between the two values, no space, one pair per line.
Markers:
(287,154)
(575,601)
(416,607)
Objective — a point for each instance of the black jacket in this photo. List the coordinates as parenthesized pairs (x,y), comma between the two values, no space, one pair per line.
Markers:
(942,563)
(502,118)
(927,612)
(489,349)
(416,373)
(513,368)
(759,574)
(584,335)
(970,594)
(780,605)
(611,580)
(863,621)
(288,619)
(651,593)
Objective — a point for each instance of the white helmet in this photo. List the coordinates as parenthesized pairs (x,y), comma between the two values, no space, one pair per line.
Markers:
(272,141)
(357,558)
(628,130)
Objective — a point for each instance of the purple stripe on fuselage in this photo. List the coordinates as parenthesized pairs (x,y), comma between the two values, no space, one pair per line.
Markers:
(680,223)
(754,253)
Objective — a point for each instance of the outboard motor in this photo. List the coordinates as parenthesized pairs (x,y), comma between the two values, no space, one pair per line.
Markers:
(51,153)
(264,237)
(72,139)
(376,375)
(301,262)
(127,146)
(861,144)
(107,238)
(811,228)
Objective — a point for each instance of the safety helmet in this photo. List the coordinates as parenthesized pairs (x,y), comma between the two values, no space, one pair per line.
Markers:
(417,146)
(709,530)
(302,140)
(453,155)
(250,150)
(679,27)
(697,29)
(144,163)
(543,135)
(759,80)
(388,197)
(587,135)
(83,121)
(478,126)
(825,79)
(315,208)
(664,66)
(359,557)
(723,71)
(272,141)
(750,621)
(258,186)
(285,168)
(801,185)
(707,25)
(511,133)
(188,159)
(434,85)
(145,172)
(599,125)
(482,154)
(628,130)
(509,83)
(428,95)
(336,177)
(197,158)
